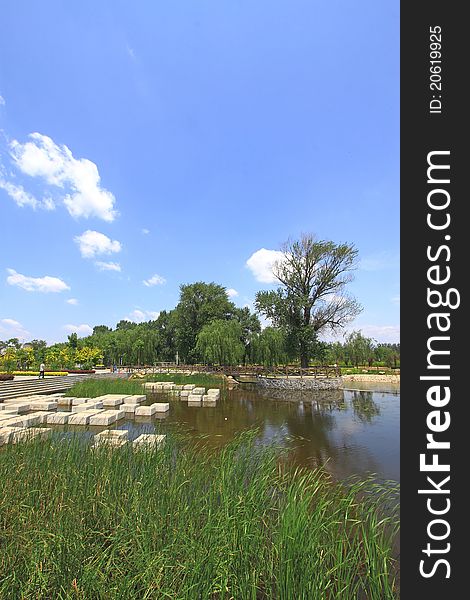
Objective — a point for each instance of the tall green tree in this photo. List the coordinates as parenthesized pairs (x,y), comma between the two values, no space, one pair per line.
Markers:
(359,350)
(200,304)
(312,297)
(220,342)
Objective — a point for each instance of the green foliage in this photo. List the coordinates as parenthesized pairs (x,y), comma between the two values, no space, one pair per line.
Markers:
(219,342)
(312,297)
(200,304)
(269,347)
(183,522)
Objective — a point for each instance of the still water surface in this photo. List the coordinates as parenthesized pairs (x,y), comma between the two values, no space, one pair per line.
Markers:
(348,432)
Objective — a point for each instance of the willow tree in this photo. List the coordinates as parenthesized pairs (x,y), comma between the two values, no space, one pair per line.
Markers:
(312,295)
(220,342)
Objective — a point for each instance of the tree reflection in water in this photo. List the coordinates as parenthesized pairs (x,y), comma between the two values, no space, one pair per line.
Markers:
(364,406)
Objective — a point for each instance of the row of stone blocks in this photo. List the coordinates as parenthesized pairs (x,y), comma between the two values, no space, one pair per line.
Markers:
(119,437)
(194,395)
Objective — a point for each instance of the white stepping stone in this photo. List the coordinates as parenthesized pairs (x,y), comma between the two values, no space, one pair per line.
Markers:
(213,392)
(58,418)
(43,405)
(77,401)
(82,417)
(30,420)
(107,417)
(209,401)
(145,411)
(161,406)
(194,398)
(64,401)
(150,385)
(185,393)
(135,399)
(29,433)
(41,415)
(198,391)
(19,408)
(128,408)
(189,386)
(148,440)
(113,437)
(12,421)
(6,434)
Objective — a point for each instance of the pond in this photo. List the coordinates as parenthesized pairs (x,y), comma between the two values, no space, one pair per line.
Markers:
(349,432)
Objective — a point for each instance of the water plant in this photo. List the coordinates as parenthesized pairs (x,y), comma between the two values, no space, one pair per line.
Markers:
(180,522)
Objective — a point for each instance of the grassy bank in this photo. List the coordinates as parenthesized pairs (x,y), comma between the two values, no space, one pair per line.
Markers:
(91,388)
(199,379)
(183,523)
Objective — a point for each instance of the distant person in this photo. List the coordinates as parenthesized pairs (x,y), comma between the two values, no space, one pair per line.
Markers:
(114,368)
(42,368)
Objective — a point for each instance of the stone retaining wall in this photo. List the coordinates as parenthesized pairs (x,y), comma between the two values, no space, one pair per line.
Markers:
(297,383)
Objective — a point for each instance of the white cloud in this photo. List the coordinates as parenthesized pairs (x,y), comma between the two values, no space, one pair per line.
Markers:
(108,266)
(261,264)
(138,316)
(79,178)
(24,198)
(145,231)
(130,52)
(81,330)
(231,293)
(72,301)
(154,280)
(382,333)
(11,323)
(395,299)
(44,284)
(2,100)
(11,328)
(92,243)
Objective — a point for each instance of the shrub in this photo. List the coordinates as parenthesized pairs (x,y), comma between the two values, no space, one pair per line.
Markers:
(6,376)
(80,371)
(36,373)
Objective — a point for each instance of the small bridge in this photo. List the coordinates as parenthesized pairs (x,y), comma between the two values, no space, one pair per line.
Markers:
(244,373)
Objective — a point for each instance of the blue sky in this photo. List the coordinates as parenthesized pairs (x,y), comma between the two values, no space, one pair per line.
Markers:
(144,145)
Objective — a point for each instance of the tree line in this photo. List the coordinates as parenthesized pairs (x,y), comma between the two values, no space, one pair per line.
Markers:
(207,327)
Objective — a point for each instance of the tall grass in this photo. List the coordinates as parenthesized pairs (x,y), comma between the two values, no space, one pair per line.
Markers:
(91,388)
(181,523)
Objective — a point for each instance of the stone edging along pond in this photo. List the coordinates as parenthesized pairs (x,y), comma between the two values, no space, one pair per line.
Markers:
(311,383)
(298,383)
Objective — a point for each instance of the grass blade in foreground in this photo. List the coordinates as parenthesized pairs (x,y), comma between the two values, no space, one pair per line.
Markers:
(181,523)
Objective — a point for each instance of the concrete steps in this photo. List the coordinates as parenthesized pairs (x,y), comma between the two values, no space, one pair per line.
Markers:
(49,385)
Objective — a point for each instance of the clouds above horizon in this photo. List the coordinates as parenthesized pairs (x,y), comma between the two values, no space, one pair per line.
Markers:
(93,243)
(77,179)
(11,328)
(46,284)
(23,198)
(81,330)
(261,264)
(232,293)
(72,301)
(139,316)
(154,280)
(108,266)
